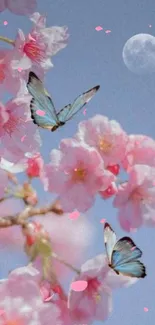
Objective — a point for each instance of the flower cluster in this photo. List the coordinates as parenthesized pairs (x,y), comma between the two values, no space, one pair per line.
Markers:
(91,164)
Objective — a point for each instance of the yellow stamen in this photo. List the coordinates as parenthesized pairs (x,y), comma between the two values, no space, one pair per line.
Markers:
(104,145)
(79,175)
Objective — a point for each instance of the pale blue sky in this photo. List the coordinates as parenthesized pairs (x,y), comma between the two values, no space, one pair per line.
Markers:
(92,58)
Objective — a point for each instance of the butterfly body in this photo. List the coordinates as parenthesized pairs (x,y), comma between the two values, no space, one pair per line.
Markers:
(123,254)
(43,112)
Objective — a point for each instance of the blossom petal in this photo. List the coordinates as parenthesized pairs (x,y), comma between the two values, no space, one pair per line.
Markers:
(2,5)
(21,7)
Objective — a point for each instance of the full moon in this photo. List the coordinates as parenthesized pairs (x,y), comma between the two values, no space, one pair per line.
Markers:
(139,54)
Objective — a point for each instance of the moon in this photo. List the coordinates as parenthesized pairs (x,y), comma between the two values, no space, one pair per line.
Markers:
(139,54)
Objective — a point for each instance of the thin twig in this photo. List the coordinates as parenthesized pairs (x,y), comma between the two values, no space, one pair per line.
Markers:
(7,40)
(28,212)
(65,263)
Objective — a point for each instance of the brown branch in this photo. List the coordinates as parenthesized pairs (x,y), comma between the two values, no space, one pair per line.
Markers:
(21,218)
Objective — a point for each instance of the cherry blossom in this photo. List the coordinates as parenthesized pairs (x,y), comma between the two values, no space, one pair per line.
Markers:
(56,37)
(135,199)
(16,135)
(106,136)
(18,7)
(10,79)
(140,150)
(38,46)
(95,302)
(21,301)
(77,173)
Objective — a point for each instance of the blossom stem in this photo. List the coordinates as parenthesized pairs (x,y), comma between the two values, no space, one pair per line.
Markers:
(7,40)
(65,263)
(20,218)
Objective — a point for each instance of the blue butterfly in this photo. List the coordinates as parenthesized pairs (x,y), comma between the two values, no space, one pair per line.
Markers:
(123,254)
(43,112)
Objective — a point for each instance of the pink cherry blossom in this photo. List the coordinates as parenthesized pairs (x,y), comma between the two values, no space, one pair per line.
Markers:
(95,302)
(18,7)
(21,301)
(65,313)
(38,20)
(37,47)
(10,80)
(140,150)
(136,198)
(15,127)
(77,173)
(106,136)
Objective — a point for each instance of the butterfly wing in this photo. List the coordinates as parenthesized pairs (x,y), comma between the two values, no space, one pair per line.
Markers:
(125,251)
(42,108)
(124,258)
(109,240)
(134,269)
(66,113)
(62,114)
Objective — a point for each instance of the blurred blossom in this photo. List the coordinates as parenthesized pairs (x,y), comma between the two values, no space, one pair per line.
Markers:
(21,301)
(18,7)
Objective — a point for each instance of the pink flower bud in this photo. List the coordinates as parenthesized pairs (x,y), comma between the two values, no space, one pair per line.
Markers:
(35,166)
(110,191)
(114,169)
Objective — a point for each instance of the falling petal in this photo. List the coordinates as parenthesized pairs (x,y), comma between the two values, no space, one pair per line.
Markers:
(98,28)
(108,31)
(84,112)
(146,309)
(23,138)
(103,220)
(74,215)
(79,285)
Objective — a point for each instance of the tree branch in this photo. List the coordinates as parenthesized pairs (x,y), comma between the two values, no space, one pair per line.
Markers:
(21,218)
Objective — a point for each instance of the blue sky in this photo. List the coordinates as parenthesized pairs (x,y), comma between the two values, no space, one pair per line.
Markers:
(92,58)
